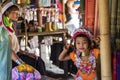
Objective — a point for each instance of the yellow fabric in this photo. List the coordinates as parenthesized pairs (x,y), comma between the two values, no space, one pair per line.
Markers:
(25,68)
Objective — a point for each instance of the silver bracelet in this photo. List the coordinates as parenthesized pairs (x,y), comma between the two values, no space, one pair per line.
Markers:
(19,61)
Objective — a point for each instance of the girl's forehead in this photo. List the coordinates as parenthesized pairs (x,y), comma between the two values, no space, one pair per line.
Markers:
(81,38)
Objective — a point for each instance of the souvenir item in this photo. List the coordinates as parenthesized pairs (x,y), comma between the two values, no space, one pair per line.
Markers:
(25,75)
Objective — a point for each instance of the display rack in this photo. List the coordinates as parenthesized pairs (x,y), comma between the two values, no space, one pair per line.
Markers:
(49,33)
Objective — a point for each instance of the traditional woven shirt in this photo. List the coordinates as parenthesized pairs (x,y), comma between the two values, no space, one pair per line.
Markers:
(86,69)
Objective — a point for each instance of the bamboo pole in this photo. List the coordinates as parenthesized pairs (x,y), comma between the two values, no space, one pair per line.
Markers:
(39,15)
(105,50)
(63,3)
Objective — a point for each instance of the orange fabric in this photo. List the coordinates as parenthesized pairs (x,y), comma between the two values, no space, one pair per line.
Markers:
(72,56)
(96,52)
(87,77)
(90,13)
(61,17)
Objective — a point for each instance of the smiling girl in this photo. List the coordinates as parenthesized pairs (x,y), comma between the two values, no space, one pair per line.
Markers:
(83,57)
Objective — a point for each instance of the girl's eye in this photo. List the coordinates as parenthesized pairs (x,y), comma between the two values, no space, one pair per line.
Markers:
(85,42)
(78,43)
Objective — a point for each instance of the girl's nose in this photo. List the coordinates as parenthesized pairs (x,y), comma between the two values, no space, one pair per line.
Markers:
(81,45)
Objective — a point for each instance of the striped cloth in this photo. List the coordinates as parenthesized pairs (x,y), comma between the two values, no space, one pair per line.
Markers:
(115,23)
(89,13)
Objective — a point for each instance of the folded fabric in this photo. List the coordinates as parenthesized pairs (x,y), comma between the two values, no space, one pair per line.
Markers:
(16,75)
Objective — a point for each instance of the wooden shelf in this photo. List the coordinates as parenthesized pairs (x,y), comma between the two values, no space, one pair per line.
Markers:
(50,33)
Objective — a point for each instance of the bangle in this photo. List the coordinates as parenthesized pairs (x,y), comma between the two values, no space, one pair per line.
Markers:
(19,61)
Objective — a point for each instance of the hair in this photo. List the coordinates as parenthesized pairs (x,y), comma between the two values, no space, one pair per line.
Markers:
(31,22)
(11,8)
(88,40)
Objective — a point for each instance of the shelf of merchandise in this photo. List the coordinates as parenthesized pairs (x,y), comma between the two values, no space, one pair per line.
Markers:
(57,33)
(49,33)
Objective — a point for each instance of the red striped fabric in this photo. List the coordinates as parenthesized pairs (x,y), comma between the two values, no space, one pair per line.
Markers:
(90,13)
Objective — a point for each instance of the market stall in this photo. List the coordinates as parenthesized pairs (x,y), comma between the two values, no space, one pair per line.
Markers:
(51,23)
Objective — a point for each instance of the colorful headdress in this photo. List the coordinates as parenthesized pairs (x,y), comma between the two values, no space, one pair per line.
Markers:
(84,31)
(6,5)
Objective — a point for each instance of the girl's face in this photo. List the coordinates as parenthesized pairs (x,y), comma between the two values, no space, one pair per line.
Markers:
(81,44)
(13,15)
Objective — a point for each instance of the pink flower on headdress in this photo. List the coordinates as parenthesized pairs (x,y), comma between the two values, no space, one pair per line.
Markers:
(82,30)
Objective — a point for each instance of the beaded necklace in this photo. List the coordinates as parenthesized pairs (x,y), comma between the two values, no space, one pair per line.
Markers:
(84,66)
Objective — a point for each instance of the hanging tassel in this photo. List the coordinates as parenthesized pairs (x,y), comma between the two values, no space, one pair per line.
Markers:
(27,1)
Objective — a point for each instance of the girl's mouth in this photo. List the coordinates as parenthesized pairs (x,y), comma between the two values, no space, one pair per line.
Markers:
(81,48)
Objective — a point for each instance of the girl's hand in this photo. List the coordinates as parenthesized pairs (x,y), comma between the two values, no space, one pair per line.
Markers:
(63,55)
(66,47)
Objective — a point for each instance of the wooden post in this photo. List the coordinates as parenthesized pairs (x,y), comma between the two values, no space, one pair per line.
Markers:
(39,15)
(105,50)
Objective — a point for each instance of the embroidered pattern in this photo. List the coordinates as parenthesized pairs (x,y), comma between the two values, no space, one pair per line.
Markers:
(88,66)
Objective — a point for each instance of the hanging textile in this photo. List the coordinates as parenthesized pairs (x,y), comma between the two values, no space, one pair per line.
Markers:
(82,10)
(45,3)
(113,21)
(53,2)
(89,13)
(118,65)
(114,66)
(60,9)
(96,21)
(115,35)
(118,20)
(115,24)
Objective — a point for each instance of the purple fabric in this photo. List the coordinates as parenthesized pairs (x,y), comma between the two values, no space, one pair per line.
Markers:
(118,64)
(24,75)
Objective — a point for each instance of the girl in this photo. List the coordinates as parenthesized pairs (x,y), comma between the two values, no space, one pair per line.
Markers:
(83,57)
